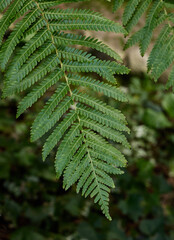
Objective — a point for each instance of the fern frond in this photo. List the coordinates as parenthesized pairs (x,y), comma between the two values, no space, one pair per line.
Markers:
(70,14)
(101,118)
(98,86)
(101,145)
(167,54)
(141,8)
(14,38)
(99,105)
(58,133)
(117,4)
(47,4)
(66,152)
(38,91)
(93,183)
(25,52)
(33,61)
(105,69)
(41,128)
(154,18)
(129,10)
(135,38)
(72,39)
(75,168)
(107,162)
(4,4)
(12,85)
(38,54)
(157,15)
(71,54)
(9,15)
(50,105)
(159,44)
(170,82)
(106,132)
(86,25)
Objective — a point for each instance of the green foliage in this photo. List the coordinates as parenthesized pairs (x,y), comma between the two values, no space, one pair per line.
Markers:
(34,206)
(158,15)
(36,56)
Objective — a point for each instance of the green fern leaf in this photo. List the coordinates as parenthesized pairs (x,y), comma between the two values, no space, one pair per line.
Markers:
(170,82)
(72,39)
(117,4)
(98,86)
(38,55)
(157,15)
(129,10)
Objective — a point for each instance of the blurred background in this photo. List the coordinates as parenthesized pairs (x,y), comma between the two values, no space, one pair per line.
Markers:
(33,205)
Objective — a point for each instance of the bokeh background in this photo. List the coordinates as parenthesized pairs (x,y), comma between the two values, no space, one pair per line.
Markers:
(33,205)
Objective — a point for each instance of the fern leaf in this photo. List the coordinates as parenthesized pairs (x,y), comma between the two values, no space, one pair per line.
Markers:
(158,45)
(8,16)
(107,89)
(12,85)
(71,54)
(50,105)
(170,82)
(100,144)
(37,92)
(117,4)
(105,131)
(63,157)
(167,54)
(75,169)
(129,10)
(41,128)
(141,8)
(157,15)
(4,4)
(107,162)
(38,54)
(15,36)
(71,14)
(33,61)
(91,183)
(73,39)
(101,118)
(53,3)
(135,38)
(86,25)
(56,135)
(28,49)
(148,29)
(99,105)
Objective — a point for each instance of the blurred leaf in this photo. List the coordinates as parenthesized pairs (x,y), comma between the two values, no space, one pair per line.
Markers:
(171,168)
(86,231)
(145,169)
(160,236)
(37,214)
(168,104)
(160,184)
(26,233)
(74,206)
(4,168)
(132,206)
(149,226)
(116,233)
(155,119)
(11,210)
